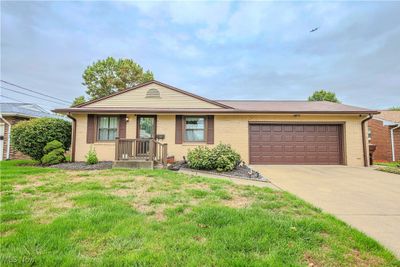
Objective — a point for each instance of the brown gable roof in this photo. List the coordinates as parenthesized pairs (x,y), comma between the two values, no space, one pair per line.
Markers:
(389,115)
(294,106)
(159,83)
(228,106)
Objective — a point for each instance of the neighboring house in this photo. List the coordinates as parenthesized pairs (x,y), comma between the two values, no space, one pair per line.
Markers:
(12,113)
(384,133)
(263,132)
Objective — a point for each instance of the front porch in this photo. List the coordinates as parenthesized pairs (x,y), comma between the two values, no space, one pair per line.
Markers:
(147,153)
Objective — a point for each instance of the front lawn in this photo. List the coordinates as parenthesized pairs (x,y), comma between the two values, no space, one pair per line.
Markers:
(52,217)
(391,167)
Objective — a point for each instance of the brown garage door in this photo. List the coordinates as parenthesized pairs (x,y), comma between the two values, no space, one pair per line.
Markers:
(295,144)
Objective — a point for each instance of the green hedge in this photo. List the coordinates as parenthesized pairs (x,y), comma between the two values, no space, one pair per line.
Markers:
(54,153)
(220,158)
(30,137)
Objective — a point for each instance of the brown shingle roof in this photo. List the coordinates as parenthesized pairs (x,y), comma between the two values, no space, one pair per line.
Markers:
(228,106)
(293,106)
(389,115)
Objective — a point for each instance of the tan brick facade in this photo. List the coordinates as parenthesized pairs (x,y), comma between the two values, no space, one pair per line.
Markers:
(229,129)
(230,125)
(380,136)
(14,154)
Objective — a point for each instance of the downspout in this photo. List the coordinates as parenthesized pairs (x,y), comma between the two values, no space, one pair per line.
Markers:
(363,139)
(392,140)
(8,136)
(73,137)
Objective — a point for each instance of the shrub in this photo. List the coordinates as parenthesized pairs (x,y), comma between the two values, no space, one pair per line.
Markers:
(220,158)
(200,158)
(225,158)
(54,153)
(30,137)
(91,157)
(51,146)
(53,157)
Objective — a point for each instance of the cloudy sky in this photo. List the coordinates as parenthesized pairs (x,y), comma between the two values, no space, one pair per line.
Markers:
(220,50)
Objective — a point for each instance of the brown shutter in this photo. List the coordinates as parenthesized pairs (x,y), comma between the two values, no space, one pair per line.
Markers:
(210,129)
(122,126)
(90,134)
(178,129)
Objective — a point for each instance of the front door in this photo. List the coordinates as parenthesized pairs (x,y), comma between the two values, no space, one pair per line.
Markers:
(146,127)
(146,130)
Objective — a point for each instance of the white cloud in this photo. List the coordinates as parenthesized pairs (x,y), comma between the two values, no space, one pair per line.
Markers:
(177,44)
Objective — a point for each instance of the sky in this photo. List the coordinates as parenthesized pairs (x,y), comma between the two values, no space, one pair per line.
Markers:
(219,50)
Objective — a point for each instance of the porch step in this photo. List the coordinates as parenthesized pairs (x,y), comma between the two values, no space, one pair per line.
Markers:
(134,164)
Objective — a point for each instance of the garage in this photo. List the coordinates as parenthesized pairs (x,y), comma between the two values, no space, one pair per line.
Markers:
(319,144)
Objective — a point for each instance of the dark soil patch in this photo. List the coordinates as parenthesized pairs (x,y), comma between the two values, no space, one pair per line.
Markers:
(83,166)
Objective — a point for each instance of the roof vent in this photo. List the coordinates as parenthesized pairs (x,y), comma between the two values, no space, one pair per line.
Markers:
(153,93)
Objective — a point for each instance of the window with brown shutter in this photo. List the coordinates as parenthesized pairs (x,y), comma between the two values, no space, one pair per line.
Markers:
(194,128)
(107,128)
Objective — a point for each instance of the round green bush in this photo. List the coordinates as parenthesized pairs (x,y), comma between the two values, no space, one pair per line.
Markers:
(54,157)
(51,146)
(200,158)
(225,158)
(30,137)
(220,158)
(55,153)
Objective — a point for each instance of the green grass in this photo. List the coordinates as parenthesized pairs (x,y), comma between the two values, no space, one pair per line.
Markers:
(391,167)
(121,217)
(393,164)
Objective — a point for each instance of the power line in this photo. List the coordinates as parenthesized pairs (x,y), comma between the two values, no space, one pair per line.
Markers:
(33,91)
(31,95)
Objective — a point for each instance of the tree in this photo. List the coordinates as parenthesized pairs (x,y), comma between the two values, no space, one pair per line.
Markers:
(78,100)
(30,137)
(396,108)
(108,76)
(323,95)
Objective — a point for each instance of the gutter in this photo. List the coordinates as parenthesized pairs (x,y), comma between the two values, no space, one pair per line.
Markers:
(366,163)
(8,136)
(392,140)
(208,111)
(73,144)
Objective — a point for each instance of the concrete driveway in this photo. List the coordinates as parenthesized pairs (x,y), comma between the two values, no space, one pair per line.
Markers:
(363,197)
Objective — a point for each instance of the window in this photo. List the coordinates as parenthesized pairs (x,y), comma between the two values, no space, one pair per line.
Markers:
(107,128)
(194,129)
(369,135)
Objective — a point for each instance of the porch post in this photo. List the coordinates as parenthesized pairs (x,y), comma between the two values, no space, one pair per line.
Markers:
(151,149)
(116,148)
(164,154)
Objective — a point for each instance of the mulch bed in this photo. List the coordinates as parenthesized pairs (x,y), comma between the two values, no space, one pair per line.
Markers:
(83,166)
(242,171)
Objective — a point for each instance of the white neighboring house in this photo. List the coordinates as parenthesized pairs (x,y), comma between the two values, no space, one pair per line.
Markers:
(12,113)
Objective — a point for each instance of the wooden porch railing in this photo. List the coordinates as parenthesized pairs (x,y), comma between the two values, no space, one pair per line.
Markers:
(144,149)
